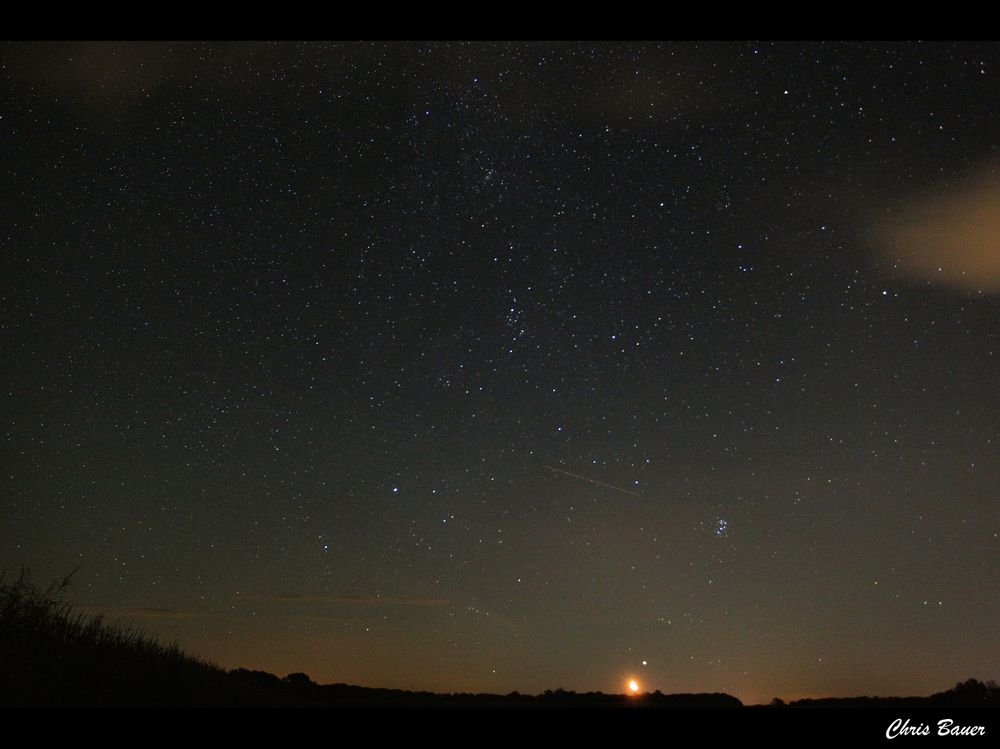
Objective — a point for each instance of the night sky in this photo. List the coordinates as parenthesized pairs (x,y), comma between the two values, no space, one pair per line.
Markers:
(494,367)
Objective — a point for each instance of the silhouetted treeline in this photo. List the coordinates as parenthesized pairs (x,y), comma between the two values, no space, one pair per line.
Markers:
(970,693)
(344,695)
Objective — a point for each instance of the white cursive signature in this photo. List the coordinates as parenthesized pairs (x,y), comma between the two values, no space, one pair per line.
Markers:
(945,727)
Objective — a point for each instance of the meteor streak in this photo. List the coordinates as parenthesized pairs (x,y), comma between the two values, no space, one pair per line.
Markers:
(593,481)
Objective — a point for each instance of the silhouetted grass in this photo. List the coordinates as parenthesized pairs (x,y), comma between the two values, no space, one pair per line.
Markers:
(52,655)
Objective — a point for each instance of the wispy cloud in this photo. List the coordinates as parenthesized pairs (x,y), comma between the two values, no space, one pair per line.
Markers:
(345,600)
(141,612)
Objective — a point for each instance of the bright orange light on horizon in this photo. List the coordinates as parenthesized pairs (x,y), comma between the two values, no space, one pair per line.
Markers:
(633,686)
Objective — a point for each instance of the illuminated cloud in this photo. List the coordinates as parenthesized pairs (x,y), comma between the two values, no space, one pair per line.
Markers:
(949,238)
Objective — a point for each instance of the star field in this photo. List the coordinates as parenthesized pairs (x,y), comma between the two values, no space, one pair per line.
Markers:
(499,367)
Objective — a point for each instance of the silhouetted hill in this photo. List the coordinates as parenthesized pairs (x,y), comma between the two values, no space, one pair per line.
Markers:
(52,656)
